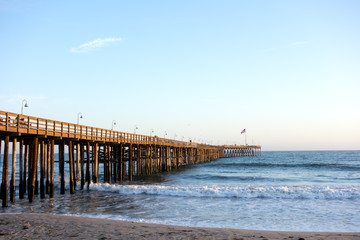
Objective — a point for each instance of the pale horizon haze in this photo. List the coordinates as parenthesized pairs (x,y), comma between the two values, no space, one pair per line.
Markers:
(286,71)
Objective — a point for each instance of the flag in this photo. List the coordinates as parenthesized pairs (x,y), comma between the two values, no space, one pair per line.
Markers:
(243,131)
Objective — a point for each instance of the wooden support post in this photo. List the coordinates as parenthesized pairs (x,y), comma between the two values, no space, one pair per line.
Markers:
(47,165)
(52,160)
(151,161)
(26,163)
(130,168)
(36,171)
(5,173)
(196,156)
(172,159)
(88,178)
(133,161)
(138,160)
(105,165)
(185,156)
(30,167)
(42,170)
(13,172)
(73,164)
(147,159)
(77,177)
(34,160)
(82,161)
(71,167)
(114,163)
(119,158)
(123,160)
(175,157)
(108,163)
(93,162)
(162,159)
(159,158)
(155,160)
(21,164)
(62,167)
(96,163)
(168,157)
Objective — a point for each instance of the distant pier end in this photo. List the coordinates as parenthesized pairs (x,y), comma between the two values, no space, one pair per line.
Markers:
(242,150)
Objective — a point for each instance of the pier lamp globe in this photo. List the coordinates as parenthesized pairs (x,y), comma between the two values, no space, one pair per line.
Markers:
(23,104)
(113,124)
(79,117)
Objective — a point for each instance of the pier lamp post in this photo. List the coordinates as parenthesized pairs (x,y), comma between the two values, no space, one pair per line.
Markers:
(23,104)
(78,117)
(136,127)
(112,125)
(151,132)
(165,134)
(175,136)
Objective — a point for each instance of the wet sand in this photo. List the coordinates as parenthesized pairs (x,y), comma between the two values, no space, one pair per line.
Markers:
(46,226)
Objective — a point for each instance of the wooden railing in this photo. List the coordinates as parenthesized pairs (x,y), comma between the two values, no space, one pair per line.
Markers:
(241,146)
(22,124)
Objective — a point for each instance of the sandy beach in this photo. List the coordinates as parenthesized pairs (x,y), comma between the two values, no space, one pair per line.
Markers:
(46,226)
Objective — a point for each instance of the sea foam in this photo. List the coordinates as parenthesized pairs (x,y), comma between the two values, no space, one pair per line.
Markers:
(271,192)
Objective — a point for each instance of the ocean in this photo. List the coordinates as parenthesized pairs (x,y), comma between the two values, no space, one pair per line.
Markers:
(286,191)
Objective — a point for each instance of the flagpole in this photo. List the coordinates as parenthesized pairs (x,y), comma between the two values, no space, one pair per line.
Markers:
(244,131)
(245,138)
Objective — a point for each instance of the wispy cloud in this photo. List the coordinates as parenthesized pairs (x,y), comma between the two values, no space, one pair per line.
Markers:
(299,43)
(98,43)
(293,44)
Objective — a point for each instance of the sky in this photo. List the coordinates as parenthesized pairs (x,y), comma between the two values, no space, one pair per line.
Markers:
(286,71)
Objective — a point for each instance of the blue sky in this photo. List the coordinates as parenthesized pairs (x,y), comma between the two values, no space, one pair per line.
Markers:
(287,71)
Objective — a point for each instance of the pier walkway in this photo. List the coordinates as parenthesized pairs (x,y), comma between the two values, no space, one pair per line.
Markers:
(122,156)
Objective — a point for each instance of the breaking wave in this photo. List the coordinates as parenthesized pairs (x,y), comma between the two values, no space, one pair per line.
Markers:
(243,192)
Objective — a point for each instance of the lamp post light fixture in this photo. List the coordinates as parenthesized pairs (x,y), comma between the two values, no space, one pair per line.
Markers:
(165,134)
(112,125)
(78,117)
(23,104)
(136,127)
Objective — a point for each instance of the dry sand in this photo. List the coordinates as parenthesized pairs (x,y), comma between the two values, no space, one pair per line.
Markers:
(45,226)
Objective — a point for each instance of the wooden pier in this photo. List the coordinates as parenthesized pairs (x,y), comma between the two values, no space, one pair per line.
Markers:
(122,156)
(241,151)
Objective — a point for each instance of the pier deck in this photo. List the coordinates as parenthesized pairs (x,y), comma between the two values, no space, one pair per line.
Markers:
(123,156)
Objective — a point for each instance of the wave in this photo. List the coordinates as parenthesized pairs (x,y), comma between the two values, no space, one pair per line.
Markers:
(287,165)
(241,192)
